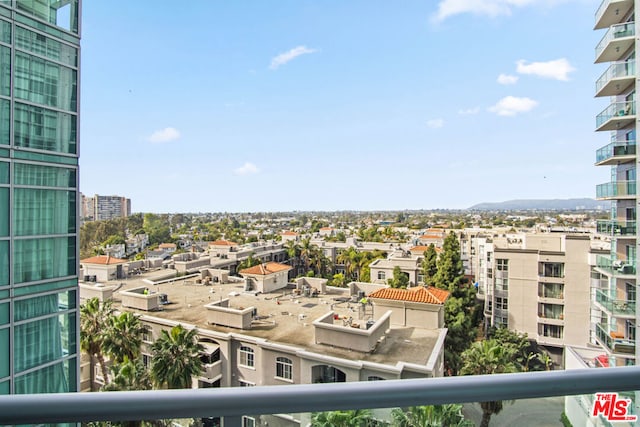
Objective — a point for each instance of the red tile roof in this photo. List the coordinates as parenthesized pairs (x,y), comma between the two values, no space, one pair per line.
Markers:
(421,294)
(421,248)
(103,260)
(222,243)
(289,233)
(265,269)
(167,245)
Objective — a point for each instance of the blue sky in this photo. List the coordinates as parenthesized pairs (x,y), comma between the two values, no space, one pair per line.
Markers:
(245,106)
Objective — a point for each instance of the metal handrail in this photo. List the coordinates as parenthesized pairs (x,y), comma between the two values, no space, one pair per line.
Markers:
(236,401)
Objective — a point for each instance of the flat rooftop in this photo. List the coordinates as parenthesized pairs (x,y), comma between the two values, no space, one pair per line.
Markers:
(283,317)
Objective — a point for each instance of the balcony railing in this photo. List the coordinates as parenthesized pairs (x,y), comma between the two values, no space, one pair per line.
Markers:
(615,111)
(614,344)
(616,70)
(616,149)
(236,401)
(616,189)
(616,228)
(614,32)
(619,307)
(615,267)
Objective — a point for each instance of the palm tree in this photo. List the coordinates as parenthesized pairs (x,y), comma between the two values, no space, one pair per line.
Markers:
(176,358)
(488,357)
(430,416)
(306,251)
(124,337)
(129,375)
(93,318)
(354,418)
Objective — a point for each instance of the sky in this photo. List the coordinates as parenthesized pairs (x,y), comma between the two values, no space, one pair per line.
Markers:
(247,106)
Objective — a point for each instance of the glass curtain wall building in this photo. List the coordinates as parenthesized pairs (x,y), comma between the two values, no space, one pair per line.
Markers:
(39,93)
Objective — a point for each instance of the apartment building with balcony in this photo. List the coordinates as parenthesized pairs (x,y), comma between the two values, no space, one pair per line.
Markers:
(99,208)
(614,309)
(538,284)
(39,124)
(292,333)
(614,282)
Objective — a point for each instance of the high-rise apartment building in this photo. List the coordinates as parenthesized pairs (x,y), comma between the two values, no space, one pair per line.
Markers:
(99,208)
(39,79)
(614,311)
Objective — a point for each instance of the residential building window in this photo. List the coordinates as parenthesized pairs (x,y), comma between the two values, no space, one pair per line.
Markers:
(146,360)
(502,303)
(382,275)
(551,269)
(146,335)
(551,290)
(502,322)
(551,311)
(247,357)
(246,384)
(374,378)
(248,422)
(631,292)
(552,331)
(284,368)
(420,278)
(489,273)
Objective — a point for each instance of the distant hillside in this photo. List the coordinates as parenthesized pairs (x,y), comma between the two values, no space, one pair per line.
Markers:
(543,204)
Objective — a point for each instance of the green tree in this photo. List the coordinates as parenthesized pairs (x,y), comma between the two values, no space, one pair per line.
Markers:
(176,358)
(353,418)
(123,337)
(430,265)
(93,317)
(338,280)
(249,262)
(485,358)
(460,308)
(399,280)
(128,376)
(449,415)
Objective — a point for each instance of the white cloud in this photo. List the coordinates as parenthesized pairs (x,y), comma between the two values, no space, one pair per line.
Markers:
(506,79)
(247,169)
(435,123)
(557,69)
(469,111)
(164,135)
(285,57)
(511,105)
(492,8)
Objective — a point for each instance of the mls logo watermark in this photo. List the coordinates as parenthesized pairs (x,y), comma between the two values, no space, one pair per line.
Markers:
(612,407)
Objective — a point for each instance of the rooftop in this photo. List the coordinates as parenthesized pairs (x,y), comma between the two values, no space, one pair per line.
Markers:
(284,317)
(421,294)
(265,269)
(103,260)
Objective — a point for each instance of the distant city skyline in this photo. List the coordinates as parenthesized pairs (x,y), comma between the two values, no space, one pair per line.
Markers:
(302,105)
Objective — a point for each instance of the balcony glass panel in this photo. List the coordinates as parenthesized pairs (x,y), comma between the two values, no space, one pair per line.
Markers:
(615,149)
(617,228)
(616,109)
(551,290)
(619,307)
(615,266)
(615,32)
(616,70)
(616,189)
(614,341)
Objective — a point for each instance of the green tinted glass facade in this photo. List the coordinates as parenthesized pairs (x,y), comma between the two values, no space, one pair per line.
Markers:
(39,58)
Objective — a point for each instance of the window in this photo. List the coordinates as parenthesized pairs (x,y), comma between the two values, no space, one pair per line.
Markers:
(246,384)
(248,422)
(246,357)
(551,311)
(382,275)
(502,303)
(551,290)
(502,322)
(146,360)
(374,378)
(146,335)
(551,269)
(284,368)
(552,331)
(631,292)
